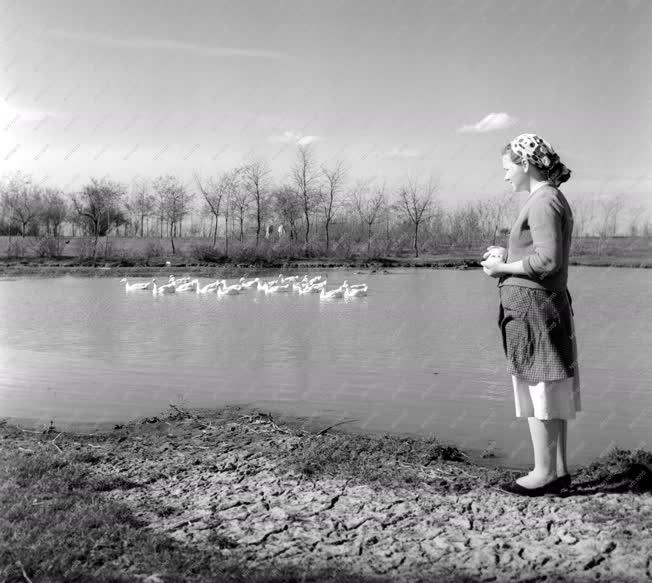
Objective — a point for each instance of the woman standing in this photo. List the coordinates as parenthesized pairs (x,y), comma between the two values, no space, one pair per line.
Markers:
(535,315)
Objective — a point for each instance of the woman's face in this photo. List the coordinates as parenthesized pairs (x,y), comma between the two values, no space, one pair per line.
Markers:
(515,175)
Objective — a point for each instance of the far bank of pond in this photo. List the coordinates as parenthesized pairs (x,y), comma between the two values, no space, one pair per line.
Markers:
(19,267)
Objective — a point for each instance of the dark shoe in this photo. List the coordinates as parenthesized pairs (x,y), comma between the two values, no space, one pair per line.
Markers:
(564,481)
(550,488)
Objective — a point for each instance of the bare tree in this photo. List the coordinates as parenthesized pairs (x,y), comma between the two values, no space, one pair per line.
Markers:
(241,201)
(98,204)
(416,200)
(368,200)
(255,175)
(609,208)
(305,177)
(334,180)
(141,203)
(174,202)
(288,207)
(230,183)
(584,210)
(55,210)
(23,201)
(493,213)
(636,218)
(213,191)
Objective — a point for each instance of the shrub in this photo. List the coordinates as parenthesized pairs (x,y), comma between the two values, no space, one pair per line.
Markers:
(153,249)
(203,252)
(49,247)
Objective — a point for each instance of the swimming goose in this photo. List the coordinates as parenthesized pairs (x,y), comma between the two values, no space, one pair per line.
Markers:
(315,279)
(248,284)
(355,285)
(315,288)
(191,286)
(208,288)
(168,288)
(235,286)
(223,290)
(354,292)
(332,294)
(174,280)
(272,289)
(138,286)
(277,281)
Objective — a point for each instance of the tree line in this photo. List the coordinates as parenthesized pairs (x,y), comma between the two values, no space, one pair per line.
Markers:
(319,205)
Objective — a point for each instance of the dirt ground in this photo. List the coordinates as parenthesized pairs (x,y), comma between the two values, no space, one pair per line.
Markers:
(236,479)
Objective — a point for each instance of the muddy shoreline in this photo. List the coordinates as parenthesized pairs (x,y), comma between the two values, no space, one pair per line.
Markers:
(294,494)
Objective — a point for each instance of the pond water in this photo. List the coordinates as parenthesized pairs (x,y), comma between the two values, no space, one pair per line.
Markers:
(421,354)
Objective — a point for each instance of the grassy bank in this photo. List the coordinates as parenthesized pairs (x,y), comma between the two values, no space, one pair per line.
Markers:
(143,257)
(236,495)
(116,268)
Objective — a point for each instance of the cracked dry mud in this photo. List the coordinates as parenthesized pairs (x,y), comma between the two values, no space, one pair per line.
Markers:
(219,483)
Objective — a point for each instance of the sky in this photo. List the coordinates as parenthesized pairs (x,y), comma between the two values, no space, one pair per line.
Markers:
(395,89)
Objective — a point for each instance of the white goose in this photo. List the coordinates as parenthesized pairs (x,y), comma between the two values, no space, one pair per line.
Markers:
(235,286)
(332,294)
(315,288)
(175,281)
(191,286)
(355,285)
(138,286)
(208,288)
(273,289)
(159,290)
(355,292)
(277,281)
(248,284)
(223,290)
(315,279)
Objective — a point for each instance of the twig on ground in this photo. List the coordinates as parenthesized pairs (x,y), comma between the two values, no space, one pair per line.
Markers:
(335,425)
(182,523)
(55,445)
(95,446)
(24,574)
(467,473)
(28,430)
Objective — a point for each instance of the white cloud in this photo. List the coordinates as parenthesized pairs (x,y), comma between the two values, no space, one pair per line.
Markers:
(289,137)
(145,43)
(490,123)
(308,140)
(403,152)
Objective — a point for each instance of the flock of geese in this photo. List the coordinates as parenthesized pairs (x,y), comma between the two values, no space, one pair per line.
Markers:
(281,284)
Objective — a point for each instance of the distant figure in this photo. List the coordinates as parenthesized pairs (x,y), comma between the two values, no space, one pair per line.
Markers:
(268,231)
(281,231)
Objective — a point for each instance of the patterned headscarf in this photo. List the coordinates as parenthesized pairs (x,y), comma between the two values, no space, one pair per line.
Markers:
(540,153)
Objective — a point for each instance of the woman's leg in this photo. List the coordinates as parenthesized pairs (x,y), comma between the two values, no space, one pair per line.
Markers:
(544,434)
(562,467)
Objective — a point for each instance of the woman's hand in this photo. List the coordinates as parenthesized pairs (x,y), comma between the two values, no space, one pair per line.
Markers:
(496,251)
(494,260)
(493,267)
